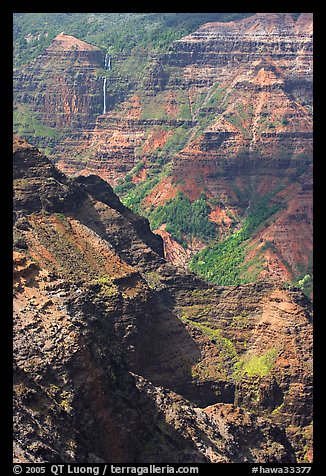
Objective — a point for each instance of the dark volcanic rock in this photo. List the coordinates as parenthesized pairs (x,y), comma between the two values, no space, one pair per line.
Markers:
(101,357)
(103,192)
(38,184)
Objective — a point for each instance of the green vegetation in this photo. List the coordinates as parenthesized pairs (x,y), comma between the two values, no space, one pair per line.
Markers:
(176,141)
(305,284)
(233,362)
(153,279)
(223,263)
(108,288)
(251,269)
(138,167)
(228,354)
(304,277)
(132,194)
(209,106)
(304,281)
(61,216)
(240,118)
(27,123)
(124,187)
(256,365)
(182,216)
(116,32)
(240,321)
(63,398)
(138,39)
(156,107)
(137,194)
(197,312)
(278,409)
(152,107)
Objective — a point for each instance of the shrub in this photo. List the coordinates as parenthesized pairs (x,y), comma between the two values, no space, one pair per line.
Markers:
(182,216)
(222,264)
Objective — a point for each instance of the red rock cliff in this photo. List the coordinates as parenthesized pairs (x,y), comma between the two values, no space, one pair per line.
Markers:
(61,84)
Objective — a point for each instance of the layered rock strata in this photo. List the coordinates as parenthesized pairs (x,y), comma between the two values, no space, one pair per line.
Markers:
(217,49)
(120,357)
(61,84)
(229,108)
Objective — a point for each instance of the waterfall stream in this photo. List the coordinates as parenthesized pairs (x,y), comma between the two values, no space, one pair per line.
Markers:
(107,65)
(104,95)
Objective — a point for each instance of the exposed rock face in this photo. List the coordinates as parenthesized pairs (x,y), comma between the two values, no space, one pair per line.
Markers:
(216,49)
(247,87)
(61,84)
(120,357)
(239,94)
(40,186)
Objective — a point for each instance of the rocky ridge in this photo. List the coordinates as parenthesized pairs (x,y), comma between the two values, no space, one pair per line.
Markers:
(120,357)
(257,95)
(227,111)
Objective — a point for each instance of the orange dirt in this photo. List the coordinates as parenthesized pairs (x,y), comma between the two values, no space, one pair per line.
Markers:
(157,138)
(163,191)
(170,105)
(66,42)
(135,108)
(219,216)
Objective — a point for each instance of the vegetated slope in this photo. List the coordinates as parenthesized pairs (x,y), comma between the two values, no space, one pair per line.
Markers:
(121,32)
(223,119)
(41,79)
(120,357)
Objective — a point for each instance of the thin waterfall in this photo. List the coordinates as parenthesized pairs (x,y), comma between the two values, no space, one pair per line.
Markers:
(107,65)
(104,95)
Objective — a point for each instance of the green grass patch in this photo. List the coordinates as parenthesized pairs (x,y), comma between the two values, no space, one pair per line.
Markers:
(176,141)
(136,194)
(152,107)
(256,365)
(28,124)
(132,194)
(153,280)
(108,287)
(305,283)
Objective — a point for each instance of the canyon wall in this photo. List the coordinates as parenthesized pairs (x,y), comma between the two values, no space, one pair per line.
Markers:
(121,357)
(61,84)
(227,110)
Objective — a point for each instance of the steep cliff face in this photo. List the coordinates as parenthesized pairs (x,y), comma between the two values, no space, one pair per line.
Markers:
(120,357)
(227,111)
(250,78)
(61,85)
(221,47)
